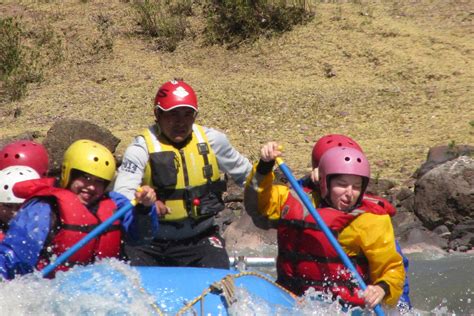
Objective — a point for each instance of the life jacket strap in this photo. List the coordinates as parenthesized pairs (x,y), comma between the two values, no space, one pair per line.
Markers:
(88,228)
(295,257)
(191,193)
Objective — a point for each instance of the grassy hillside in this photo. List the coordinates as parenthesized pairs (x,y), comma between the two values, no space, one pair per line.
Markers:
(397,76)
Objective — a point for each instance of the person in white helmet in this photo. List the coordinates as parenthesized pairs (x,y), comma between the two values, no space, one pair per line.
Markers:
(9,203)
(53,219)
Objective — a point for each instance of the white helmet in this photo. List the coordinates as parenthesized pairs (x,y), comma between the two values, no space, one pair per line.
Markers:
(11,175)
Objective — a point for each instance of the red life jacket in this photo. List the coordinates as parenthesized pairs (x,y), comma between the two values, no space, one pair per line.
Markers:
(75,222)
(307,259)
(377,205)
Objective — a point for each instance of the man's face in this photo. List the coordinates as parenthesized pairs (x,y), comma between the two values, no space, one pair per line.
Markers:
(176,124)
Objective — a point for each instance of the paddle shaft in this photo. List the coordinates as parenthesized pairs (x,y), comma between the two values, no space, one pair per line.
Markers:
(312,210)
(93,234)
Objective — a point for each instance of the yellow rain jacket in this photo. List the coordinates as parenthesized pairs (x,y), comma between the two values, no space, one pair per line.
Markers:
(368,233)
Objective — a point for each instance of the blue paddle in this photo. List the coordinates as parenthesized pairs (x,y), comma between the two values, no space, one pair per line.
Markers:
(312,210)
(93,234)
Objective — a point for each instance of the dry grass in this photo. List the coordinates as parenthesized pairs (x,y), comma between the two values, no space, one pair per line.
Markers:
(397,76)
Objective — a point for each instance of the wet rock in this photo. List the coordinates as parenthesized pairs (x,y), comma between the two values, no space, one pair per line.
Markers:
(463,228)
(421,239)
(64,132)
(442,231)
(462,244)
(463,235)
(445,194)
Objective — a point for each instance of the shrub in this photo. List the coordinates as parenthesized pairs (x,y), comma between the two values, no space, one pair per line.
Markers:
(11,52)
(163,20)
(19,65)
(104,43)
(232,22)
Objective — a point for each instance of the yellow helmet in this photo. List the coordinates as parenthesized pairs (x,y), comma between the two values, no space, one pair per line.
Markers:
(90,157)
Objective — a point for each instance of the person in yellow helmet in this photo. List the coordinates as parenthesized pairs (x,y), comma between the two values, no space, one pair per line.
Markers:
(53,219)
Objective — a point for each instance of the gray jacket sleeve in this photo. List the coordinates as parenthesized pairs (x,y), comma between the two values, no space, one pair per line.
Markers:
(132,169)
(229,159)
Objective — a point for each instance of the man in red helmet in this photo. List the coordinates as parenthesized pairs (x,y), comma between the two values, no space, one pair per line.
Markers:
(182,161)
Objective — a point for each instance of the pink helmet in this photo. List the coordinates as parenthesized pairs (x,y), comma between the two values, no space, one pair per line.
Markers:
(25,153)
(174,94)
(329,141)
(342,160)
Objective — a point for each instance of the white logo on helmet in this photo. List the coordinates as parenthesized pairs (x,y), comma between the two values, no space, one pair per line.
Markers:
(180,92)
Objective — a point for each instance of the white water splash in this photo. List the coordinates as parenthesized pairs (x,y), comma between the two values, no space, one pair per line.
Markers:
(113,288)
(96,294)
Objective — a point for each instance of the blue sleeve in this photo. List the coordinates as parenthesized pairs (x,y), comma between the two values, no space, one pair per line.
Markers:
(404,301)
(140,227)
(25,239)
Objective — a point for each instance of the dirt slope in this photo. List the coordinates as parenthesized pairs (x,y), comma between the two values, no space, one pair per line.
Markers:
(397,77)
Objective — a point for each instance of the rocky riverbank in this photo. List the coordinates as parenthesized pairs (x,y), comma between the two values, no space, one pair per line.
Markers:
(435,206)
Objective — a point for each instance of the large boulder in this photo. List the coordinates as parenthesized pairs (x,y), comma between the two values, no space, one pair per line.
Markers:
(64,132)
(441,154)
(445,194)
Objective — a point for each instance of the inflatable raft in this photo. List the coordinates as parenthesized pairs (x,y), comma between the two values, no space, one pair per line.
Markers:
(183,291)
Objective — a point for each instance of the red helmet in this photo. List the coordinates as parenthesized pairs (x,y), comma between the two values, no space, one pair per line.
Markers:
(175,93)
(329,141)
(25,153)
(343,160)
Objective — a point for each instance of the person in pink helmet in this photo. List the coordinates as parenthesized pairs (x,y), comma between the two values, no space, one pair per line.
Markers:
(329,141)
(25,153)
(306,259)
(183,161)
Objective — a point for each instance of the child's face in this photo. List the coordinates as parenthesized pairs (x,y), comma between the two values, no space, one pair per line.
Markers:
(8,211)
(344,191)
(89,189)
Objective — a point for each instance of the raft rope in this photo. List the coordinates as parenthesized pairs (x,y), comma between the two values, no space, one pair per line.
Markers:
(137,283)
(154,305)
(226,287)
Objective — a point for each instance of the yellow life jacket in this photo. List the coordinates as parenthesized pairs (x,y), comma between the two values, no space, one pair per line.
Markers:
(187,180)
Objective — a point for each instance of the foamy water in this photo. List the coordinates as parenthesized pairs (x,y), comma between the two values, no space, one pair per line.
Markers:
(440,286)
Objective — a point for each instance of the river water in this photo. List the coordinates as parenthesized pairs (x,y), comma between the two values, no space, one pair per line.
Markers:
(446,283)
(440,285)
